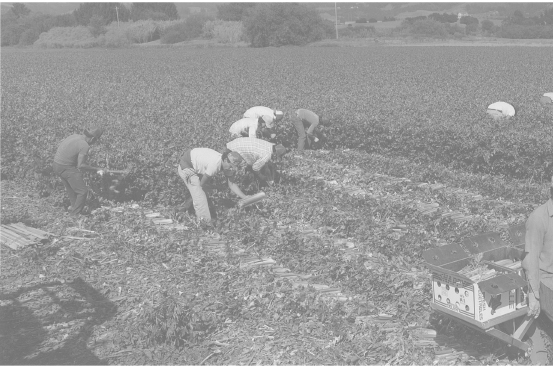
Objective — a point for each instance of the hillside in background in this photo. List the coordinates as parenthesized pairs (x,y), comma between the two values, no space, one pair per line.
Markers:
(349,11)
(353,11)
(184,9)
(46,8)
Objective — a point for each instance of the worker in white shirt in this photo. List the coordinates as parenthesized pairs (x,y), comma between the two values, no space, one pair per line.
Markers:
(198,166)
(259,111)
(270,116)
(246,127)
(304,118)
(501,110)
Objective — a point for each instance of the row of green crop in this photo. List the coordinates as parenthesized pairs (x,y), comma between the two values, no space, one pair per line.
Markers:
(520,148)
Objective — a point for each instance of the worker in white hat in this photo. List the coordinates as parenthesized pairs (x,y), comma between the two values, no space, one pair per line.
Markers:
(501,110)
(538,266)
(547,99)
(270,116)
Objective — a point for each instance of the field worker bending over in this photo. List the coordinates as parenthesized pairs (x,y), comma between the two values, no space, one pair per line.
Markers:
(257,154)
(303,118)
(246,127)
(538,265)
(70,161)
(501,110)
(270,116)
(198,166)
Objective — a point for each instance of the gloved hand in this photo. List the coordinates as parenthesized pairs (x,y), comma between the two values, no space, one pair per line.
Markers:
(533,305)
(312,137)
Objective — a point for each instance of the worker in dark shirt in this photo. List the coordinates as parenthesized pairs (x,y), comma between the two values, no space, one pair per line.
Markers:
(304,118)
(70,161)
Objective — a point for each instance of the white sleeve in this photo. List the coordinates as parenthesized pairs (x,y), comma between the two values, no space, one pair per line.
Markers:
(253,130)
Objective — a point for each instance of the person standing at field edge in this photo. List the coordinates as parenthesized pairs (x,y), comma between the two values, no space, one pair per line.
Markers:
(301,118)
(70,161)
(258,154)
(270,116)
(538,266)
(197,167)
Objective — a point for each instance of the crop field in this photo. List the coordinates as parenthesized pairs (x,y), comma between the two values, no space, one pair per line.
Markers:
(327,269)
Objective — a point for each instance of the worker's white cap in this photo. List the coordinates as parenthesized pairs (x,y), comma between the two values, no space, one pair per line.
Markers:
(501,109)
(547,98)
(279,115)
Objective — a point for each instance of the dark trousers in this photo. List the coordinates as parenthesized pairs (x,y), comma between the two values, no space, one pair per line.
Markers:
(303,128)
(77,190)
(268,173)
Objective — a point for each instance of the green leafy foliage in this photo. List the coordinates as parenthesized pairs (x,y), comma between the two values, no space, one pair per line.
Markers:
(155,11)
(281,24)
(417,109)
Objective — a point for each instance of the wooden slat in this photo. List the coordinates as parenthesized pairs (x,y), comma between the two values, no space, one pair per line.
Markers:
(523,328)
(37,232)
(42,232)
(26,230)
(18,231)
(13,236)
(9,243)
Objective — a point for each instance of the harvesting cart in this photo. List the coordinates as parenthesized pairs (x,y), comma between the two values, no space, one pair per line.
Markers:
(481,284)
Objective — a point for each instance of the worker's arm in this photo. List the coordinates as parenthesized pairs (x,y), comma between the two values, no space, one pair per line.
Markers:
(314,125)
(82,163)
(533,246)
(253,131)
(205,180)
(236,190)
(260,163)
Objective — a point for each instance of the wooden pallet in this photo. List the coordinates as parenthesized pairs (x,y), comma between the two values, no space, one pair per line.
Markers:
(520,326)
(18,236)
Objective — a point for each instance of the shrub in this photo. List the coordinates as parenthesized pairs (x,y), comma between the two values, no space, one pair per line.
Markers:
(358,32)
(471,28)
(428,27)
(233,11)
(155,11)
(184,31)
(67,37)
(278,24)
(468,20)
(97,25)
(29,37)
(454,29)
(116,37)
(487,25)
(224,31)
(525,32)
(173,36)
(143,31)
(443,18)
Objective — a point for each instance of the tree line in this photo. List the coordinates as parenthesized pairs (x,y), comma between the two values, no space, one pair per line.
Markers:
(264,24)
